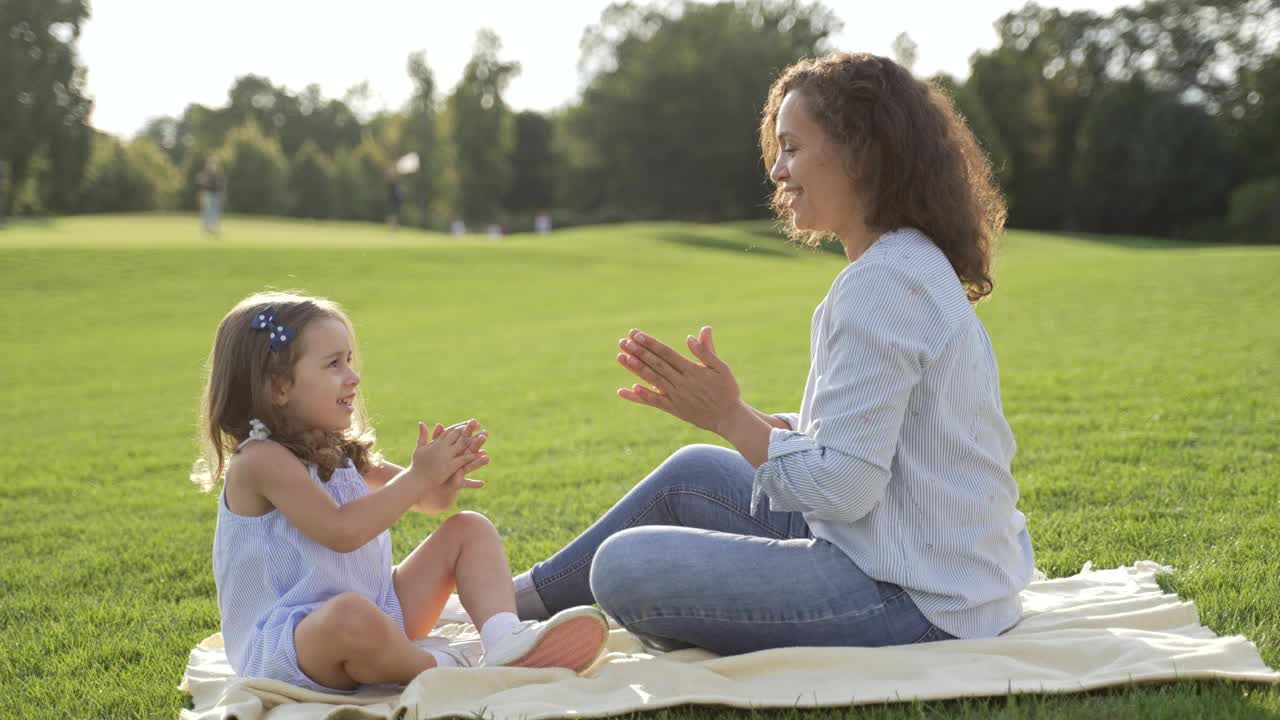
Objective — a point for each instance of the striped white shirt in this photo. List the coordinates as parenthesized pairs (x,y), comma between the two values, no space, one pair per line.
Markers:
(900,453)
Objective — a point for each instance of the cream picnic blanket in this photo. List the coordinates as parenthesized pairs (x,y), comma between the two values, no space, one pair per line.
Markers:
(1091,630)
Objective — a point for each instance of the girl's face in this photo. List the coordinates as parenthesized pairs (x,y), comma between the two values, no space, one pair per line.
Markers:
(323,391)
(810,170)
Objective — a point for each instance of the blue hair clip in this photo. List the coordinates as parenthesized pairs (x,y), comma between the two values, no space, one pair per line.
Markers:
(280,335)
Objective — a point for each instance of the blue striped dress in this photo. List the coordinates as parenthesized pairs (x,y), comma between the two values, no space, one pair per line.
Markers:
(900,455)
(270,576)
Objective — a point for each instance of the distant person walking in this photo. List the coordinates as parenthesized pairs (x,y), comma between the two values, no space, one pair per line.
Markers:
(212,183)
(2,194)
(395,197)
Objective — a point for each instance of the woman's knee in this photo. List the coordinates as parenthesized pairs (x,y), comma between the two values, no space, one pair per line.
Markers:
(695,466)
(627,571)
(698,455)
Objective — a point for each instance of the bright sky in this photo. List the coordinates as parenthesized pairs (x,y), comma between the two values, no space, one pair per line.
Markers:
(151,57)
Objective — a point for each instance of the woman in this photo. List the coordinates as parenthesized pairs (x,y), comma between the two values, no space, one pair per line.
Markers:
(884,513)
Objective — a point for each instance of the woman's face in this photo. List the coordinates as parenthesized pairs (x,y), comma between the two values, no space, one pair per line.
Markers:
(809,169)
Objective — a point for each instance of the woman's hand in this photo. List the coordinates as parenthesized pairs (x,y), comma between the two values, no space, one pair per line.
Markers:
(705,395)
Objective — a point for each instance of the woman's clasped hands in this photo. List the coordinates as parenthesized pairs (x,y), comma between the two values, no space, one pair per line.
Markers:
(702,393)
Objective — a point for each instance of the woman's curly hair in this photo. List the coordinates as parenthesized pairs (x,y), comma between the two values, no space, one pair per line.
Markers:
(910,154)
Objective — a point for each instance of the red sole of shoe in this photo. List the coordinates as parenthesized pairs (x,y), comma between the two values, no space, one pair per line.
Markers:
(573,644)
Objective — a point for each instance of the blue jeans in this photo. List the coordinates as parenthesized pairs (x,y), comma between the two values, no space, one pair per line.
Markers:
(681,561)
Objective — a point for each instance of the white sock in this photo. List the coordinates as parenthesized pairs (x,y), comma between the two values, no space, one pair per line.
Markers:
(443,659)
(529,605)
(523,581)
(496,627)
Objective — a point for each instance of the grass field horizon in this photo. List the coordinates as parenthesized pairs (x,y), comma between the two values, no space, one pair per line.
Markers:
(1140,378)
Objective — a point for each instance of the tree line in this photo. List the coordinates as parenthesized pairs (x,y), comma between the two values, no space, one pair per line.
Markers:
(1158,119)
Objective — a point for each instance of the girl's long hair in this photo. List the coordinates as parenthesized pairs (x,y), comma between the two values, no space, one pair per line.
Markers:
(242,370)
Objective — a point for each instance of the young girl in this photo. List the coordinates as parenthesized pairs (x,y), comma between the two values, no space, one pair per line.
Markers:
(302,552)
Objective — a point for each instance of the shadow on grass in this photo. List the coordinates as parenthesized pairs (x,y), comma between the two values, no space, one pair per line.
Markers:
(1137,242)
(1141,242)
(712,242)
(773,238)
(21,221)
(771,231)
(763,229)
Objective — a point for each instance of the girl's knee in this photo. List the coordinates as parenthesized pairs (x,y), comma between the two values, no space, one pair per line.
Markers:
(471,526)
(354,623)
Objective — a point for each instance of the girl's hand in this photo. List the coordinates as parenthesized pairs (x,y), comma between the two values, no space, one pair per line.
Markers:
(705,395)
(435,461)
(459,480)
(439,498)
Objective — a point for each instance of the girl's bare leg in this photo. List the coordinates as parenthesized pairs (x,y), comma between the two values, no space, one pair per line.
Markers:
(466,552)
(349,641)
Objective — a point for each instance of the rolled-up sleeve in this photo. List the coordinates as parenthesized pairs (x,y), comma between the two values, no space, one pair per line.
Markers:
(791,419)
(874,349)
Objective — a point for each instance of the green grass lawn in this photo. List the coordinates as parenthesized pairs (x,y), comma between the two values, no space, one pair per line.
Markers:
(1142,380)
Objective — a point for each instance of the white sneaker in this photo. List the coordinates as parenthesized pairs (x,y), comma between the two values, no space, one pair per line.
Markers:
(465,652)
(572,638)
(456,653)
